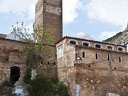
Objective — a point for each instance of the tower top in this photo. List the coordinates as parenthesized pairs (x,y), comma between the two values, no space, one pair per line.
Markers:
(48,14)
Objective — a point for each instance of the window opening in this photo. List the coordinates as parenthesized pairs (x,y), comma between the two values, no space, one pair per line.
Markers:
(120,59)
(73,42)
(60,51)
(109,47)
(96,55)
(86,44)
(83,54)
(108,57)
(120,49)
(98,46)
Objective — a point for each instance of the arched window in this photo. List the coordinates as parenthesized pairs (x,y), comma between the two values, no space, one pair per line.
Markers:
(98,45)
(110,47)
(119,48)
(73,42)
(85,43)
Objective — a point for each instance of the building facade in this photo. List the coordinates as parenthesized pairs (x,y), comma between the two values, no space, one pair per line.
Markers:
(92,68)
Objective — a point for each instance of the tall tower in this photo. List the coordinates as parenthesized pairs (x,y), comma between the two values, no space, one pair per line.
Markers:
(48,14)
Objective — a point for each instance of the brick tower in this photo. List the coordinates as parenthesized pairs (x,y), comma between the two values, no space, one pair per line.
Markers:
(48,14)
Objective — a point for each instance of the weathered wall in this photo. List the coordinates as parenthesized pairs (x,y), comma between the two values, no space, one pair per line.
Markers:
(102,61)
(96,77)
(11,55)
(99,82)
(49,16)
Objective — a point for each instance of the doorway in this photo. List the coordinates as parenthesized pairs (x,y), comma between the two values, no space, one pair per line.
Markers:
(14,74)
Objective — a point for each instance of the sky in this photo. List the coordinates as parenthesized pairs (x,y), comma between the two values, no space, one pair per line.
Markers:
(100,19)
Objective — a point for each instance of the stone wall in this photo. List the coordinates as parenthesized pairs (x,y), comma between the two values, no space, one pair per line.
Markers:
(94,76)
(99,82)
(11,55)
(49,16)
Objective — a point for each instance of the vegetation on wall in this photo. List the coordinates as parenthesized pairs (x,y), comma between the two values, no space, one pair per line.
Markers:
(37,49)
(38,46)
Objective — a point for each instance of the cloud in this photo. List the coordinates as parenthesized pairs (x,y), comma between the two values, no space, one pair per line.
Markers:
(70,8)
(110,11)
(26,8)
(18,7)
(106,34)
(80,34)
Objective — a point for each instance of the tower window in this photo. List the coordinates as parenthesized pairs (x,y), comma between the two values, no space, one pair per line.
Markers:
(120,58)
(86,43)
(98,45)
(96,55)
(110,47)
(108,57)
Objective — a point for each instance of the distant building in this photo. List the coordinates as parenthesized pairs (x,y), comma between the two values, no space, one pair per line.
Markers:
(14,36)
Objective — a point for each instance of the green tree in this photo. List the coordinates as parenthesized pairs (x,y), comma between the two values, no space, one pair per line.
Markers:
(37,45)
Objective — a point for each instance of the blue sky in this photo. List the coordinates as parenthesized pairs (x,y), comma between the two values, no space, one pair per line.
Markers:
(98,18)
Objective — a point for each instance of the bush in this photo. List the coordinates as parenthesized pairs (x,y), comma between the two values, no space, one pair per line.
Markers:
(46,86)
(7,83)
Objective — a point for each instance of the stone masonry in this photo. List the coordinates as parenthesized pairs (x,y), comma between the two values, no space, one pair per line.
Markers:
(96,75)
(49,16)
(11,55)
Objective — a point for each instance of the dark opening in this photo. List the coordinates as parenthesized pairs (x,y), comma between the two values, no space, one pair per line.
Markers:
(96,55)
(108,57)
(14,74)
(109,47)
(120,49)
(73,42)
(120,59)
(86,44)
(98,46)
(83,54)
